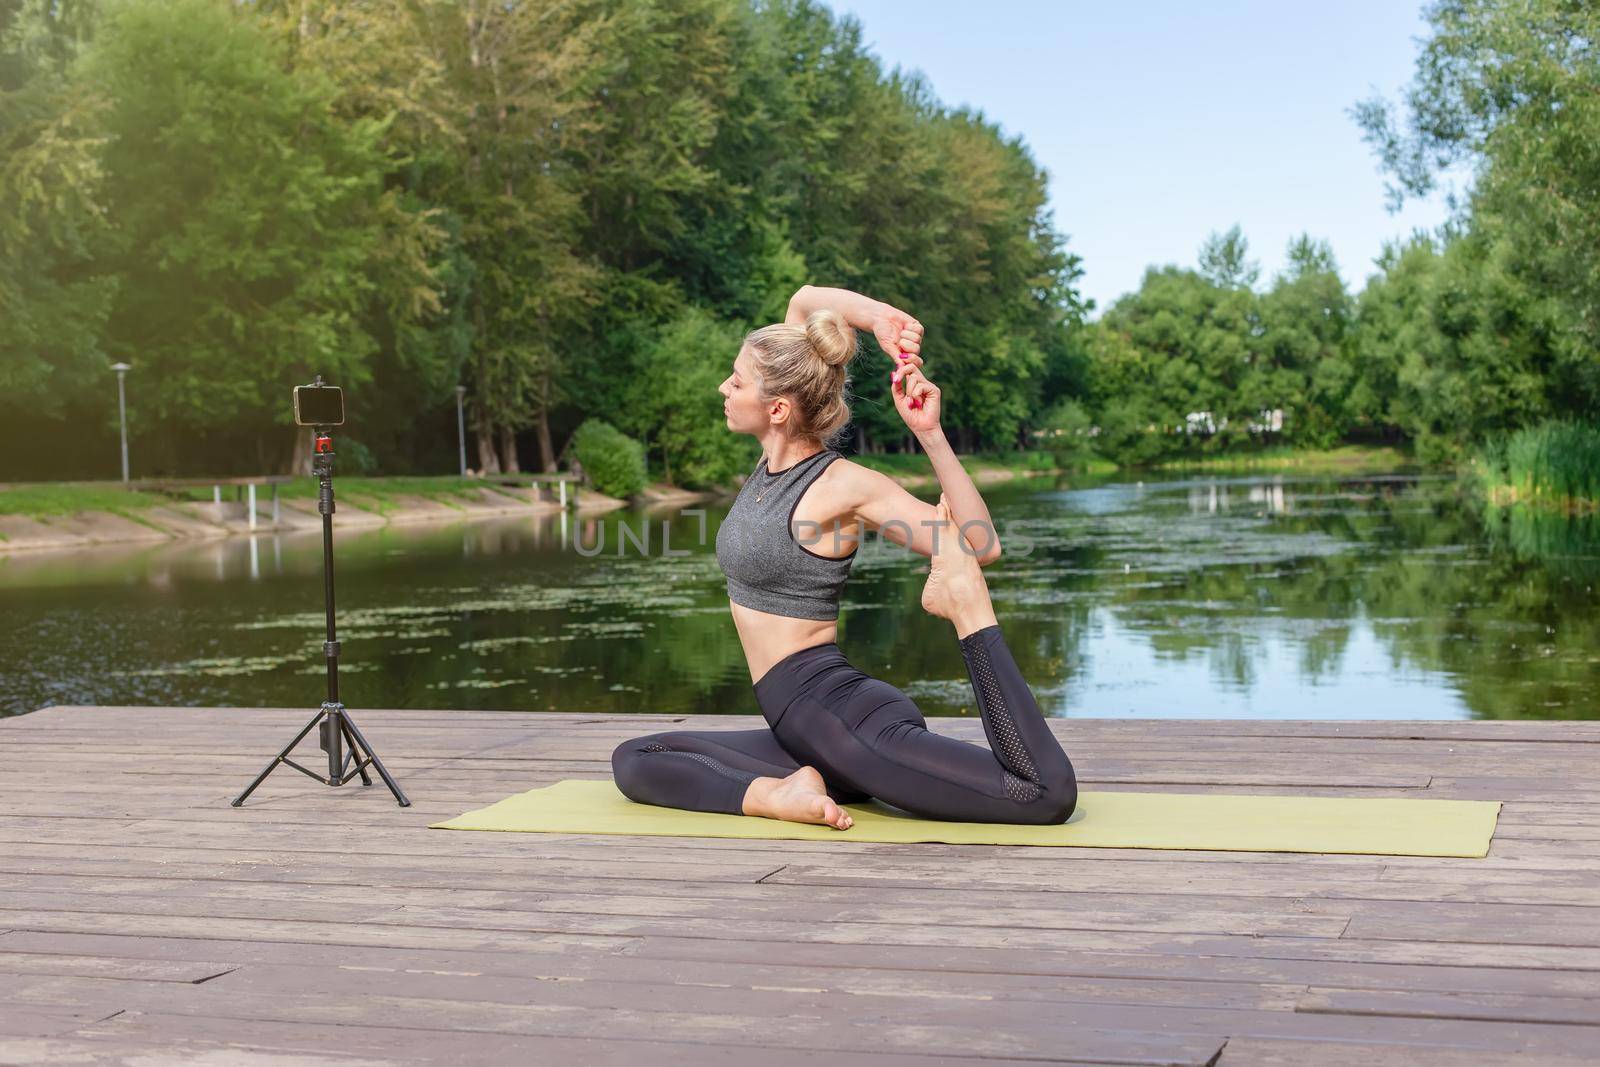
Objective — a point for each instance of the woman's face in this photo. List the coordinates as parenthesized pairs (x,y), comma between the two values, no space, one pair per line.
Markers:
(741,398)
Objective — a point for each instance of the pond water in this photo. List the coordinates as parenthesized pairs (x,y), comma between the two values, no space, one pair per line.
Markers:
(1388,596)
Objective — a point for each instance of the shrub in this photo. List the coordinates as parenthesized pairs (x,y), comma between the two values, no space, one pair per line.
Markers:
(1065,435)
(1131,435)
(612,461)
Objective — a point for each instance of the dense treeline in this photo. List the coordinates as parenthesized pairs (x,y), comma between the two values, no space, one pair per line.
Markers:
(574,208)
(1461,337)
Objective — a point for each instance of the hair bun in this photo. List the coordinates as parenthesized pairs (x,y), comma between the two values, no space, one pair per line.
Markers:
(832,338)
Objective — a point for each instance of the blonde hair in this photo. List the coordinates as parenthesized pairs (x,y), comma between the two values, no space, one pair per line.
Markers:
(806,363)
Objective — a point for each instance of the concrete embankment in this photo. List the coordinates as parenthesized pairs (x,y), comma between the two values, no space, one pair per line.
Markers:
(196,520)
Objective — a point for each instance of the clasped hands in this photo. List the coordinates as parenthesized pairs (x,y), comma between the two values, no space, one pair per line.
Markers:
(915,397)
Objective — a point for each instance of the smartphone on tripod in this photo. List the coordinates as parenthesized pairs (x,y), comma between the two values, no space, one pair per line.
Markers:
(318,405)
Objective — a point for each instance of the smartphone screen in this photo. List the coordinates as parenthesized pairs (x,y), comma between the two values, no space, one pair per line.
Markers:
(319,405)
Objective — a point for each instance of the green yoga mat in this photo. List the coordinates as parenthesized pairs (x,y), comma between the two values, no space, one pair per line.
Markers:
(1213,821)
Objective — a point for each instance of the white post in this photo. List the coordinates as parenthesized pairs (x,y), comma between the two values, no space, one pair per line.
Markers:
(275,513)
(216,495)
(563,495)
(461,429)
(122,414)
(252,506)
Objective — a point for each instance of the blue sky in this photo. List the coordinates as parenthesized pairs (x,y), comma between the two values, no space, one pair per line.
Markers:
(1161,122)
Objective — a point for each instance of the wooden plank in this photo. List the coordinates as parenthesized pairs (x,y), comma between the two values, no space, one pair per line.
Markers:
(353,932)
(487,748)
(1289,1052)
(155,1038)
(1484,731)
(43,1020)
(641,1011)
(532,736)
(16,963)
(563,936)
(783,1018)
(980,957)
(840,968)
(1490,1007)
(1302,771)
(911,886)
(329,831)
(773,918)
(1300,916)
(125,1050)
(598,1049)
(1447,928)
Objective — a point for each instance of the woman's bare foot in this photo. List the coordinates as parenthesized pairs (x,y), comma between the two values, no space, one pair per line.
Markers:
(801,797)
(955,589)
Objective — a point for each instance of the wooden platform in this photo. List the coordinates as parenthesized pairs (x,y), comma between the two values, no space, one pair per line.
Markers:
(143,916)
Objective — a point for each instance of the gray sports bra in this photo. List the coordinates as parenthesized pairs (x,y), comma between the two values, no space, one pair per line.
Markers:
(767,568)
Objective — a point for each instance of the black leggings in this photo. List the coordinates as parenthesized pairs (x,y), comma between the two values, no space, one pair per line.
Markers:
(867,739)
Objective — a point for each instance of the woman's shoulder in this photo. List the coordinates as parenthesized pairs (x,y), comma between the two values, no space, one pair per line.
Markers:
(838,464)
(852,481)
(850,466)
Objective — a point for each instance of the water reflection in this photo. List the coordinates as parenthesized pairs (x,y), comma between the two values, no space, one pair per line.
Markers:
(1268,597)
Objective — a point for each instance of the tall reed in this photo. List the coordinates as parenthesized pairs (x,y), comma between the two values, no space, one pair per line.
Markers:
(1556,463)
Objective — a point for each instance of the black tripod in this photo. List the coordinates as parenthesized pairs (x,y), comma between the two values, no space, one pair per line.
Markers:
(338,729)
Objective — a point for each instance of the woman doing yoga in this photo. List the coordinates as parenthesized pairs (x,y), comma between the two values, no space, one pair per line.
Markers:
(836,735)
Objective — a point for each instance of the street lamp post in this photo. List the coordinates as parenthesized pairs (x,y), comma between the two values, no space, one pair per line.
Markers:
(461,428)
(122,413)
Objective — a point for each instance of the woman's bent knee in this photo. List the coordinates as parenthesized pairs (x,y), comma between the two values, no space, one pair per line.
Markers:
(1066,802)
(1060,793)
(1055,805)
(625,764)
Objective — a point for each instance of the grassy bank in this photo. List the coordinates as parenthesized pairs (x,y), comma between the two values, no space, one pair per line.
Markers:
(1343,458)
(1036,460)
(64,498)
(382,495)
(385,495)
(1554,464)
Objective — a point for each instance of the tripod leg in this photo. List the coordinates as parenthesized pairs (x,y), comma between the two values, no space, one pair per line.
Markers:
(280,756)
(376,762)
(355,753)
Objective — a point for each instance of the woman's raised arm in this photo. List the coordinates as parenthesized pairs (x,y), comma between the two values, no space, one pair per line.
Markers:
(896,331)
(880,501)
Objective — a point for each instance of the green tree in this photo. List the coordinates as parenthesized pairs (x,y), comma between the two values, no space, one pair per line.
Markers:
(52,304)
(674,400)
(1171,365)
(482,102)
(1392,322)
(1225,260)
(1458,341)
(248,219)
(1306,369)
(1513,90)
